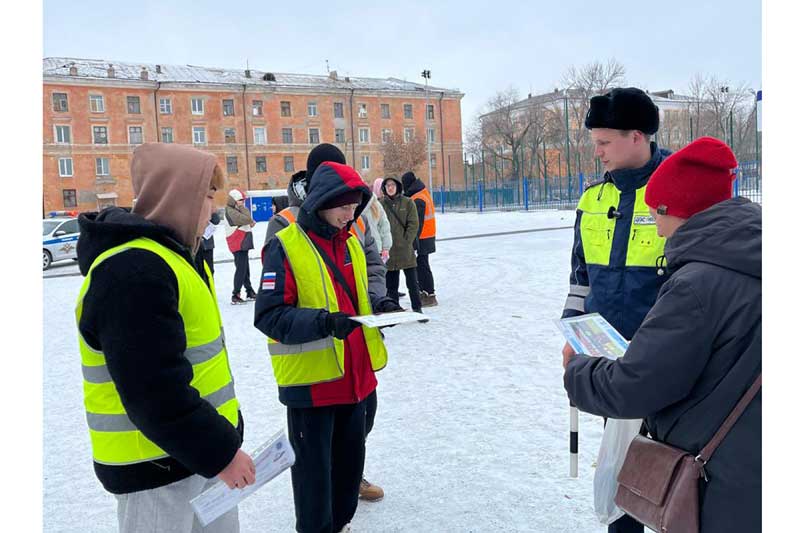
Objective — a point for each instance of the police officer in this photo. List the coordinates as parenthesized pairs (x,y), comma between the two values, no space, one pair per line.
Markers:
(616,247)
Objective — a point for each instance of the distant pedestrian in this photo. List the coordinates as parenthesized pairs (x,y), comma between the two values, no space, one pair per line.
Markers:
(206,252)
(425,245)
(239,231)
(402,215)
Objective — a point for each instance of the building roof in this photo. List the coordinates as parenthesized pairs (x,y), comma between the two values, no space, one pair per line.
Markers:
(660,98)
(59,67)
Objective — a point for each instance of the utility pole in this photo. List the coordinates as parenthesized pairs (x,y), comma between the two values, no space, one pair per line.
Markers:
(427,75)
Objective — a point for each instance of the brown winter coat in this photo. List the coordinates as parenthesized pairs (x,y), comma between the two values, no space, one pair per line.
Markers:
(404,227)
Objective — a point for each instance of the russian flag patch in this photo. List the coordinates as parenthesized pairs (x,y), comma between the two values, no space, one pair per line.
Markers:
(268,281)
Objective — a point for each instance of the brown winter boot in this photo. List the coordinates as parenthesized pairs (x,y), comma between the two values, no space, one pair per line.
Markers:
(368,491)
(428,300)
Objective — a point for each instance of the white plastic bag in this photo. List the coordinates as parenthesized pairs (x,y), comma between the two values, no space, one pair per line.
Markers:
(617,438)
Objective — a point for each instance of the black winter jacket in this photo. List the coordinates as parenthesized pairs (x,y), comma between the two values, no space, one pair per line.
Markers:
(130,313)
(695,355)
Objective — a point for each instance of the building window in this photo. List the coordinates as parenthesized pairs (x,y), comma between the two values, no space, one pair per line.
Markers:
(429,112)
(99,134)
(166,135)
(363,135)
(101,167)
(96,103)
(165,106)
(70,198)
(313,135)
(362,110)
(65,167)
(60,104)
(258,108)
(408,134)
(339,135)
(232,163)
(286,133)
(227,108)
(385,111)
(364,162)
(312,109)
(408,111)
(386,135)
(288,163)
(135,135)
(286,109)
(134,107)
(63,135)
(431,135)
(197,106)
(198,135)
(259,135)
(230,135)
(261,163)
(338,110)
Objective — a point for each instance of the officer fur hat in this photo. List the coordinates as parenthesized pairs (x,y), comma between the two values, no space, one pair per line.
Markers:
(623,109)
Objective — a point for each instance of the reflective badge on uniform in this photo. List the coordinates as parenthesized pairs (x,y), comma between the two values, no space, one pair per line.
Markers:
(644,220)
(268,281)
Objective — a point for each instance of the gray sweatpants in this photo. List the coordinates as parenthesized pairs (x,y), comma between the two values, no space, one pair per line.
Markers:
(167,510)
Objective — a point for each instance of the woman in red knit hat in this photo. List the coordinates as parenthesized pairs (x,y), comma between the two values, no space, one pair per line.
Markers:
(699,348)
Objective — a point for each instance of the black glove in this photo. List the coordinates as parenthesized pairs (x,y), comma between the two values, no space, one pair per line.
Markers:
(387,305)
(339,324)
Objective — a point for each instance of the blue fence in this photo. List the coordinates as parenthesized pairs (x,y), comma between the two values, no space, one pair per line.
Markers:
(555,192)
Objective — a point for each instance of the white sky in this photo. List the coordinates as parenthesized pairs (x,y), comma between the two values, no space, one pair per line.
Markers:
(477,47)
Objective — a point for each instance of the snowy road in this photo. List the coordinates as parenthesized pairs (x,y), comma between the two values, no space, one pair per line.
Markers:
(472,425)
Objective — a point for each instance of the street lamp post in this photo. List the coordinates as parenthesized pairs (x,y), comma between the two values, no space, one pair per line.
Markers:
(427,75)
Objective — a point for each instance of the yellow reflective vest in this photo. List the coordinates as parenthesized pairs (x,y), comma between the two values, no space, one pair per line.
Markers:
(115,439)
(321,360)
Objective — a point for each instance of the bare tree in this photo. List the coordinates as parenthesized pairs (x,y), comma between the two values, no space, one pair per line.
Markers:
(399,156)
(580,85)
(504,128)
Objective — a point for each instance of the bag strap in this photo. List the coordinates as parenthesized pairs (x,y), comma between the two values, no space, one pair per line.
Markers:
(337,274)
(706,453)
(393,212)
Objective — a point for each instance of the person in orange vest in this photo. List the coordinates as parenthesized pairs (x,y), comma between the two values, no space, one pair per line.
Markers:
(426,235)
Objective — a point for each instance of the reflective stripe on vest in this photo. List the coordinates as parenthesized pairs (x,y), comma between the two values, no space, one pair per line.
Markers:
(597,230)
(290,214)
(321,360)
(358,230)
(115,438)
(429,224)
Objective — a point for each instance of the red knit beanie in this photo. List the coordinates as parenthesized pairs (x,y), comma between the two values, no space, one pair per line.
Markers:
(692,179)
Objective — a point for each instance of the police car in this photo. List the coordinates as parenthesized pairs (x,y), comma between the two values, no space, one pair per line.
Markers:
(59,237)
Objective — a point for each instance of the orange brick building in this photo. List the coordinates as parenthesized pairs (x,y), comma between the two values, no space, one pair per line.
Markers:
(260,125)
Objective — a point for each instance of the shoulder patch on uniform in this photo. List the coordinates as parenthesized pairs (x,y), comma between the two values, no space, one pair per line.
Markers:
(268,281)
(644,220)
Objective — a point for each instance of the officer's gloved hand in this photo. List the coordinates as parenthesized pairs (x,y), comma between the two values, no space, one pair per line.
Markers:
(387,305)
(339,324)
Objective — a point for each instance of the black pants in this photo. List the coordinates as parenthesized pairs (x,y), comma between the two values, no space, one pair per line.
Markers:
(425,274)
(393,282)
(371,404)
(626,524)
(242,274)
(208,255)
(328,443)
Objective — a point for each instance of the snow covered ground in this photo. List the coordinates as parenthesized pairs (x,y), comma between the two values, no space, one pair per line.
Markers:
(472,429)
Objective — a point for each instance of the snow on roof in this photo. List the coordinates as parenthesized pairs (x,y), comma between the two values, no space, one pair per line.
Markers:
(98,69)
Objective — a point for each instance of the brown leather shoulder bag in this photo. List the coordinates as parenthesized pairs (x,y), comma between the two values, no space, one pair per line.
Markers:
(659,484)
